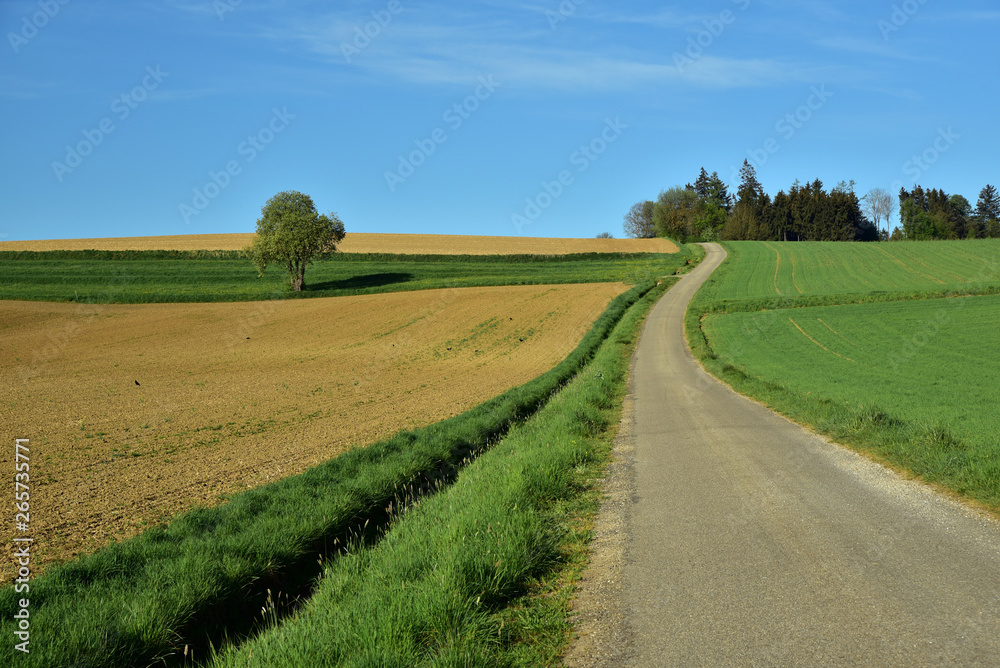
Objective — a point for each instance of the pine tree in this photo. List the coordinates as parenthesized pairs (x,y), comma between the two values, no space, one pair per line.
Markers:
(781,216)
(714,203)
(750,188)
(750,215)
(718,192)
(988,211)
(919,198)
(700,185)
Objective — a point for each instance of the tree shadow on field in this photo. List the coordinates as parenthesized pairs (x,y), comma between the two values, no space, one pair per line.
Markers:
(361,282)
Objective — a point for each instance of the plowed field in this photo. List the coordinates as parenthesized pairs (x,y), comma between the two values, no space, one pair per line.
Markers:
(409,244)
(136,412)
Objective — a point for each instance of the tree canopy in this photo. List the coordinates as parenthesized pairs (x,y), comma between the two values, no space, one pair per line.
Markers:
(934,214)
(705,211)
(291,232)
(639,221)
(988,212)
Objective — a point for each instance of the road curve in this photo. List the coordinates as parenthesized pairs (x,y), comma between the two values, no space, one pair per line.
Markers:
(751,541)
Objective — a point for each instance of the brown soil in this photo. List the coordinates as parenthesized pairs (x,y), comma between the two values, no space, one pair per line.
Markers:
(137,412)
(411,244)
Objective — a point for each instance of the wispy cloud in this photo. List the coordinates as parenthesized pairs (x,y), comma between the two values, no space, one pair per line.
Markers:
(868,48)
(216,9)
(665,18)
(983,15)
(718,72)
(825,11)
(9,94)
(442,49)
(173,95)
(907,94)
(14,87)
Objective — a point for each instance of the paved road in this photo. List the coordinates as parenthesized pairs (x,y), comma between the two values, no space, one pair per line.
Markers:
(753,542)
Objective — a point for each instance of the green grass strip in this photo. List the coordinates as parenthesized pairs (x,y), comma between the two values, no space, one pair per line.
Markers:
(207,572)
(449,584)
(138,277)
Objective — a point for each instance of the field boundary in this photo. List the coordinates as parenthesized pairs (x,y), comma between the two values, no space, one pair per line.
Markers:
(848,299)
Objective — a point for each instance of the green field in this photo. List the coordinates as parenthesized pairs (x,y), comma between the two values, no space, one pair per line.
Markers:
(757,270)
(135,277)
(894,362)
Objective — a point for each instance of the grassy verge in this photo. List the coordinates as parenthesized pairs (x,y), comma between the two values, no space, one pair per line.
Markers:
(832,394)
(480,574)
(207,574)
(134,277)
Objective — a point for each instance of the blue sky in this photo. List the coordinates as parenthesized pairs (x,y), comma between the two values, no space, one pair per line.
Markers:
(538,119)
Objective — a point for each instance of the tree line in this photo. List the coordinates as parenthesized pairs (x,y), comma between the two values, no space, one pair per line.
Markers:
(934,214)
(706,211)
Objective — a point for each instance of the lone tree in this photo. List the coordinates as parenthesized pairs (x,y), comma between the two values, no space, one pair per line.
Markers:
(290,231)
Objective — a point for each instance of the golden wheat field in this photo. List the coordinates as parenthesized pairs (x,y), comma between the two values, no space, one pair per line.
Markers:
(409,244)
(136,412)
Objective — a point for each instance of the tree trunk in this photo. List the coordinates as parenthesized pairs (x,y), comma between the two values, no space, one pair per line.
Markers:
(297,273)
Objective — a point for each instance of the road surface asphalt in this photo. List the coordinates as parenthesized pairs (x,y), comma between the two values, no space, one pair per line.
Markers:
(753,542)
